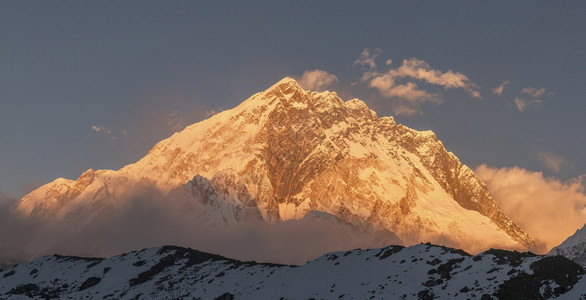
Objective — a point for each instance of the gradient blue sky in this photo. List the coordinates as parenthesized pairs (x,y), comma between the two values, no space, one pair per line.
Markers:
(143,69)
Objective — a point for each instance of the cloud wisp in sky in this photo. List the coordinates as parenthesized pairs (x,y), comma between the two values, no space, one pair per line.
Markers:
(366,59)
(551,161)
(530,97)
(400,84)
(103,130)
(547,209)
(499,89)
(317,80)
(533,92)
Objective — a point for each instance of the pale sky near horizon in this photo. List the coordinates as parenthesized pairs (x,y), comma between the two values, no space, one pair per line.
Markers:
(97,84)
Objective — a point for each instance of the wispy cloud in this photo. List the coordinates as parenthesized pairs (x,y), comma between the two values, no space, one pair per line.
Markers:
(399,84)
(106,131)
(175,121)
(316,80)
(499,89)
(533,92)
(367,59)
(547,209)
(211,112)
(101,129)
(551,161)
(530,97)
(523,103)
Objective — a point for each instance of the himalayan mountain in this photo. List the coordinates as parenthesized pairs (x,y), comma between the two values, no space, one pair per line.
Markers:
(284,177)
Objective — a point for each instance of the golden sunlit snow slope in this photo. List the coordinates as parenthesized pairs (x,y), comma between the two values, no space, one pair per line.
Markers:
(297,151)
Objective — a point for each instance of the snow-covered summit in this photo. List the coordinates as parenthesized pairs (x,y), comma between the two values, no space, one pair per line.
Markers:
(292,152)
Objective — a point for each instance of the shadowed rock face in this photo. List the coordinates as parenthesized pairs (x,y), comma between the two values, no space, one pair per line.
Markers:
(291,152)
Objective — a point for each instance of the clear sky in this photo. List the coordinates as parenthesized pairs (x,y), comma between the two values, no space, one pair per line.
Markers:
(97,84)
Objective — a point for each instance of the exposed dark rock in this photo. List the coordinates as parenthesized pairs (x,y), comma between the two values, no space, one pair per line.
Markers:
(8,274)
(564,272)
(513,258)
(90,282)
(445,270)
(225,296)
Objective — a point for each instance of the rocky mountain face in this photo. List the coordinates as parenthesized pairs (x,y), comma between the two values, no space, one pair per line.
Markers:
(284,153)
(574,247)
(423,271)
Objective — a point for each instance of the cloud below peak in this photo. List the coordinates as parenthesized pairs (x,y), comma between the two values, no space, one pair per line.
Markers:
(547,209)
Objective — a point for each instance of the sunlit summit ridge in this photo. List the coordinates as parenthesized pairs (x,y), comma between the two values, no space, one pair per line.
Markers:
(284,153)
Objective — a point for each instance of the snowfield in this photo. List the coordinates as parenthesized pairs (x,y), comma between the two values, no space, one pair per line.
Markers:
(422,271)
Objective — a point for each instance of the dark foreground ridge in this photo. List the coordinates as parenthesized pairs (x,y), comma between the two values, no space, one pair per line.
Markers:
(423,271)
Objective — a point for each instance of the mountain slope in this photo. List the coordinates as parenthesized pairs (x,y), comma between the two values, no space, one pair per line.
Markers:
(393,272)
(290,152)
(574,247)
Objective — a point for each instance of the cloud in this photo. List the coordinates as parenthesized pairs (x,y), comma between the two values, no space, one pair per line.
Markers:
(367,59)
(546,208)
(523,103)
(175,121)
(551,161)
(499,89)
(6,200)
(144,217)
(316,80)
(101,129)
(533,92)
(211,112)
(419,69)
(15,232)
(399,84)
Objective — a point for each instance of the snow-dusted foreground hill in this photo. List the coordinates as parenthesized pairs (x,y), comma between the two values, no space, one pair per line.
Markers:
(423,271)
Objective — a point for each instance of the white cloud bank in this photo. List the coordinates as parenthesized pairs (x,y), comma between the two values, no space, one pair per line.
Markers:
(546,208)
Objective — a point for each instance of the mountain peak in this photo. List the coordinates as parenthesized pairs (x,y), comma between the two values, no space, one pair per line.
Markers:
(286,80)
(286,83)
(290,152)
